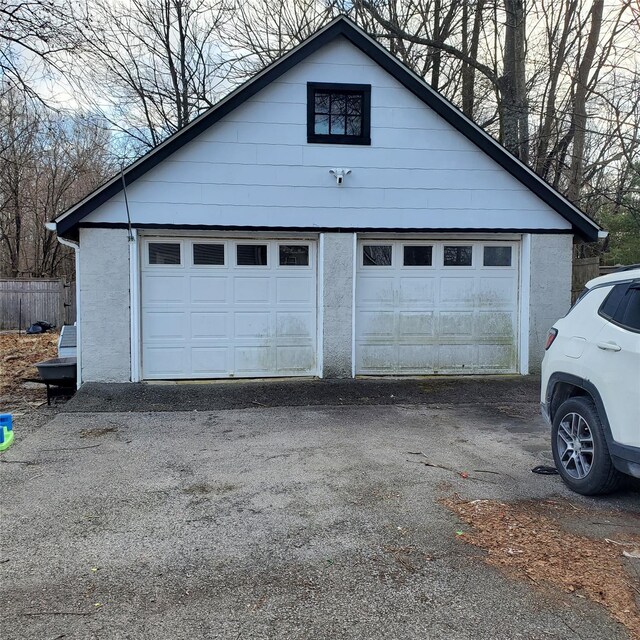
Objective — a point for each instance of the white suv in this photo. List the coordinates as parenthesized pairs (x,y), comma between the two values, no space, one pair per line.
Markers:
(591,385)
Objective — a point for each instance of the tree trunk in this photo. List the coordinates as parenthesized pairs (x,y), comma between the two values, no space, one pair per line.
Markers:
(515,114)
(470,49)
(580,103)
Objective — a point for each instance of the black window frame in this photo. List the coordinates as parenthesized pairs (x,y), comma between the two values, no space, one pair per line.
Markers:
(353,89)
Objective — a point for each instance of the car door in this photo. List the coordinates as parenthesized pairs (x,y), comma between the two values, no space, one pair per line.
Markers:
(615,362)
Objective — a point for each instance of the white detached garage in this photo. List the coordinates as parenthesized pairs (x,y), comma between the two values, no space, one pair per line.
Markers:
(332,217)
(220,308)
(426,306)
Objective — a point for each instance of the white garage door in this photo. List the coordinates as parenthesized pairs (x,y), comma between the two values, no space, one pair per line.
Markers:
(228,308)
(436,307)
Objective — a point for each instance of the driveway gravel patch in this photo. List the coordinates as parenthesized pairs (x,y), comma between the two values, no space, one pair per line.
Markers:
(240,394)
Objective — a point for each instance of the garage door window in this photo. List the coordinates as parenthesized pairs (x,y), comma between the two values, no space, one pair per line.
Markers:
(208,254)
(250,255)
(418,255)
(497,256)
(294,255)
(457,256)
(376,255)
(164,253)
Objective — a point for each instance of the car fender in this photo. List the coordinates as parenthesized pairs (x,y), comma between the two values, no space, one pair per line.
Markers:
(625,458)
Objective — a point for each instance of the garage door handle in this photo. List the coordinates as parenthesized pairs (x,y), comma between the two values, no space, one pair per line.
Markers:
(609,346)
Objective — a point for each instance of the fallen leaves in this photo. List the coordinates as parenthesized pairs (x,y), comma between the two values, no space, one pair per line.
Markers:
(526,540)
(19,355)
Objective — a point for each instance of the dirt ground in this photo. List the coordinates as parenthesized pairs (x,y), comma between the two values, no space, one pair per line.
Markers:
(19,354)
(25,400)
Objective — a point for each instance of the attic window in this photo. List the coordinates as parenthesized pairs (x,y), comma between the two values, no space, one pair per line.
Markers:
(339,113)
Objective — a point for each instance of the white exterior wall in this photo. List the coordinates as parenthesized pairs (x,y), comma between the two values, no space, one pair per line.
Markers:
(550,291)
(255,167)
(337,304)
(104,314)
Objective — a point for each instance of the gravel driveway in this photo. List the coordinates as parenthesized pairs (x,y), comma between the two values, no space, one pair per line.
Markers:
(277,521)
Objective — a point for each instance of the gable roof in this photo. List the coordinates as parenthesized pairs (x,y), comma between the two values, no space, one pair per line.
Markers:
(67,223)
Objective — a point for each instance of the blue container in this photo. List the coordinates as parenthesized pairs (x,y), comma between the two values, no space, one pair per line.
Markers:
(6,420)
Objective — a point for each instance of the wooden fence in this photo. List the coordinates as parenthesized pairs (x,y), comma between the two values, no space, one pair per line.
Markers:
(584,269)
(24,301)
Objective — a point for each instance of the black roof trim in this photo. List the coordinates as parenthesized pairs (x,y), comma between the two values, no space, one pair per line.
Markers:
(214,227)
(341,26)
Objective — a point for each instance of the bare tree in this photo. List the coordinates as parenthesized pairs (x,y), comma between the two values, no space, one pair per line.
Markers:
(154,65)
(39,31)
(263,30)
(47,162)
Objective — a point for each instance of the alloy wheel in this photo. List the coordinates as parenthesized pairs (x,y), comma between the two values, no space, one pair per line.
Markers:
(575,445)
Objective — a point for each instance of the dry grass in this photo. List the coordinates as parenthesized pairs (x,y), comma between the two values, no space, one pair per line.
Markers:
(527,540)
(18,354)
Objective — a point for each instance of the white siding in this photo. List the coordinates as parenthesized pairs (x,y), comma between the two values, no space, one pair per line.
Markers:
(255,168)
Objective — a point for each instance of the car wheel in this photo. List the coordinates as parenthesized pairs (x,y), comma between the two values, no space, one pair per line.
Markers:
(580,449)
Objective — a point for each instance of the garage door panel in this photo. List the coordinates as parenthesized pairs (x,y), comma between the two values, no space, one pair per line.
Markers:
(208,289)
(294,291)
(495,324)
(251,324)
(496,356)
(165,290)
(412,324)
(165,325)
(416,357)
(295,359)
(457,356)
(212,320)
(252,289)
(208,360)
(377,357)
(496,291)
(456,324)
(461,317)
(295,324)
(254,360)
(375,290)
(207,325)
(418,290)
(377,323)
(165,362)
(456,291)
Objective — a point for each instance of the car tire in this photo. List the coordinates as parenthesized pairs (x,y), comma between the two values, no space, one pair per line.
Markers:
(580,449)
